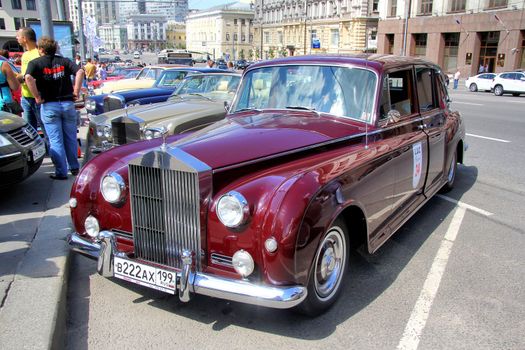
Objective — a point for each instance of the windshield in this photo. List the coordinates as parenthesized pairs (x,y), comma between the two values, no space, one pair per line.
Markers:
(216,86)
(341,91)
(171,78)
(132,74)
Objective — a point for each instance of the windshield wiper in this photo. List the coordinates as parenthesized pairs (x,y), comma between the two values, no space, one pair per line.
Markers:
(311,109)
(200,95)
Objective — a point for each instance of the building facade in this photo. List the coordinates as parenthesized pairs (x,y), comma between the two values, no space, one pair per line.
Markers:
(223,31)
(13,14)
(115,36)
(104,12)
(456,34)
(292,27)
(147,32)
(176,10)
(175,35)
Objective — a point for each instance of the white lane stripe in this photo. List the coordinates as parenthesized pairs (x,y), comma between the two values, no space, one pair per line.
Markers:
(487,138)
(466,206)
(468,103)
(418,318)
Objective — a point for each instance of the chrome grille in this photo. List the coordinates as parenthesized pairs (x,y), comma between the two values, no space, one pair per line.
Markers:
(24,136)
(165,212)
(112,103)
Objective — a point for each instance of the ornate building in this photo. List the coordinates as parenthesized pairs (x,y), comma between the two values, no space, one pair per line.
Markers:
(221,31)
(147,32)
(456,34)
(292,27)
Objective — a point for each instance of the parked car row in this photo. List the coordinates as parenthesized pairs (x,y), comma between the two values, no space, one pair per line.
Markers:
(502,83)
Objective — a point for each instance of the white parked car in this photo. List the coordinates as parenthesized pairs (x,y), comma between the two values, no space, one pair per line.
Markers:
(509,83)
(480,82)
(136,55)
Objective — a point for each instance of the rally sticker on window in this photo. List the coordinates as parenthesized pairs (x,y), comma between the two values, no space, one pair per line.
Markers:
(418,164)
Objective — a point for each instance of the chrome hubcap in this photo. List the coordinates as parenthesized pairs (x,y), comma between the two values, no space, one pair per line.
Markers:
(329,263)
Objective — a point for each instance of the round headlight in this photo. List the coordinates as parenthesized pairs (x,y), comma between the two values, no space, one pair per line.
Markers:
(148,134)
(112,188)
(232,209)
(243,263)
(92,227)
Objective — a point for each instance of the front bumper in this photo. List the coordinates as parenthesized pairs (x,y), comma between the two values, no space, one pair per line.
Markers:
(194,282)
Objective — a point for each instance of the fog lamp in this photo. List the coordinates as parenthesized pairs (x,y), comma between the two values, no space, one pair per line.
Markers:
(243,263)
(92,227)
(271,245)
(72,202)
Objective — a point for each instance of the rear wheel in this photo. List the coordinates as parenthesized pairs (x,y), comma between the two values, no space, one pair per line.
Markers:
(451,176)
(473,87)
(498,90)
(328,270)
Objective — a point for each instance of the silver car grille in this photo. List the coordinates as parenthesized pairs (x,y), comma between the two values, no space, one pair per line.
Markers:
(112,103)
(165,209)
(24,136)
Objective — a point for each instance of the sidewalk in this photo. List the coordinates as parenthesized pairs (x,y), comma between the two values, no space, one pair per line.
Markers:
(34,315)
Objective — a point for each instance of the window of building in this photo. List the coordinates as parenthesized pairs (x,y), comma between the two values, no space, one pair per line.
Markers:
(425,89)
(2,23)
(450,56)
(392,9)
(235,22)
(243,22)
(266,37)
(334,37)
(31,5)
(397,94)
(251,37)
(243,37)
(375,6)
(16,4)
(390,44)
(19,22)
(426,7)
(280,36)
(421,44)
(458,5)
(496,3)
(235,38)
(227,36)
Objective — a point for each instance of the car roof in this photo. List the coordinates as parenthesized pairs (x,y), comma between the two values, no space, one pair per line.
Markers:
(197,69)
(215,72)
(378,62)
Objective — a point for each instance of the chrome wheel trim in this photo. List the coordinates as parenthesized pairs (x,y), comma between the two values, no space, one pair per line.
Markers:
(452,170)
(498,90)
(473,87)
(329,263)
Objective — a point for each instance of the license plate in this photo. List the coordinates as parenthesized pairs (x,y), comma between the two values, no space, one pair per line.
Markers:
(145,275)
(39,152)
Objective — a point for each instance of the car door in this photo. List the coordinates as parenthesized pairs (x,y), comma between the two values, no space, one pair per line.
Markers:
(484,81)
(520,82)
(433,118)
(401,125)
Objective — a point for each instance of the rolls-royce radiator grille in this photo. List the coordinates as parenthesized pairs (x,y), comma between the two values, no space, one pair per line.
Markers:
(165,214)
(112,103)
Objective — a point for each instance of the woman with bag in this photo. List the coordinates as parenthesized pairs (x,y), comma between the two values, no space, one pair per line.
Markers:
(8,82)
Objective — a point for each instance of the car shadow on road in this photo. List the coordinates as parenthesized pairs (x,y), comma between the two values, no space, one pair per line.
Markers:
(368,278)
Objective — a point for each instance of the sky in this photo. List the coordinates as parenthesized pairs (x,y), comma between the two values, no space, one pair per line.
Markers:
(204,4)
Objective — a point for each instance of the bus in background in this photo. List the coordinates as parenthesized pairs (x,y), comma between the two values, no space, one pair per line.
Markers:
(170,56)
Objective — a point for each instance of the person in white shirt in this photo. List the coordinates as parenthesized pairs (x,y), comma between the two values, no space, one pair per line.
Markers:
(456,79)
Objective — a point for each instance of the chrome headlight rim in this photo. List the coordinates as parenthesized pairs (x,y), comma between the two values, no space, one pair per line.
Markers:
(121,185)
(243,209)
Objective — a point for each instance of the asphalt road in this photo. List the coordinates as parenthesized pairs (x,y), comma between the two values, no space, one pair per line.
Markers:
(452,278)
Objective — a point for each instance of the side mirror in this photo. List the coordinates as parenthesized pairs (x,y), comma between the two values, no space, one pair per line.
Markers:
(227,106)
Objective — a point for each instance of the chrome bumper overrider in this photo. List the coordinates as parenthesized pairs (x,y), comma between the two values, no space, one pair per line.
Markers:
(194,282)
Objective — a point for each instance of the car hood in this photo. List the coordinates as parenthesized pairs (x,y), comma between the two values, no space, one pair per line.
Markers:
(125,84)
(154,113)
(10,122)
(249,137)
(142,93)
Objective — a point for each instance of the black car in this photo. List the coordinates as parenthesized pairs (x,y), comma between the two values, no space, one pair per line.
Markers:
(241,64)
(21,149)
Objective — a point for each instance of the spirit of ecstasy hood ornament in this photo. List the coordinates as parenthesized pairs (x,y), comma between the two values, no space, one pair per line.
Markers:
(164,133)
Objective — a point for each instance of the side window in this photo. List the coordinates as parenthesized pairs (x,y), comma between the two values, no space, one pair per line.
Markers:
(442,90)
(426,91)
(398,93)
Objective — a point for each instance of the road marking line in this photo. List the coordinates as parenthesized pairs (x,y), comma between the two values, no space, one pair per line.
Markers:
(418,318)
(488,138)
(469,103)
(466,206)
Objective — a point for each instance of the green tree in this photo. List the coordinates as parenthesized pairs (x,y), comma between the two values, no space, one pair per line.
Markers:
(241,54)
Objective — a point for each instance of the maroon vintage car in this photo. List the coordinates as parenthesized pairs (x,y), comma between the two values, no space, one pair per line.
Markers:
(318,155)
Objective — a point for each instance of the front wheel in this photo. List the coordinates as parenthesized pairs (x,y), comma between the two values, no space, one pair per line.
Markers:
(473,87)
(328,270)
(498,90)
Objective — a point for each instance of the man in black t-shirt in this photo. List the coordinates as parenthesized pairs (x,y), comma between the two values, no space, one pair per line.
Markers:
(49,80)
